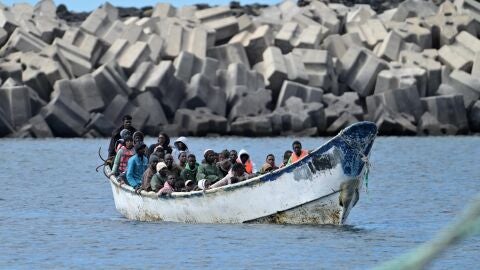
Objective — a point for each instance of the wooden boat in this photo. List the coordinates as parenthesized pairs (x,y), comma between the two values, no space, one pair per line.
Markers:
(321,188)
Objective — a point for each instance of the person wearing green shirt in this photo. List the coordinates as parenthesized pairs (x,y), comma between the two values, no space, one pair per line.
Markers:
(209,171)
(190,170)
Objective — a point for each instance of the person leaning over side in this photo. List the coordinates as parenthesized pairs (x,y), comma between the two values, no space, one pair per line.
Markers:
(137,166)
(126,124)
(298,153)
(235,175)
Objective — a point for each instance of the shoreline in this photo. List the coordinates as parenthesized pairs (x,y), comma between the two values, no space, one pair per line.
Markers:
(303,68)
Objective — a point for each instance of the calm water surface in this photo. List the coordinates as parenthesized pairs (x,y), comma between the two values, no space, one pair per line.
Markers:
(57,212)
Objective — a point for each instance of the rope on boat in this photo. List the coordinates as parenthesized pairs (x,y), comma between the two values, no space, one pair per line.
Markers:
(358,147)
(468,224)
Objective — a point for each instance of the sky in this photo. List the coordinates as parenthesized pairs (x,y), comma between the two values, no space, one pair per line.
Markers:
(89,5)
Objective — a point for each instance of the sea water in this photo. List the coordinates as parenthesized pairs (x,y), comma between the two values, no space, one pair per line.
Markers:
(56,211)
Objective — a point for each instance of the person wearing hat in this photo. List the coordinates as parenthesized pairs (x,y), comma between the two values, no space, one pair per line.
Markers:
(137,166)
(180,144)
(191,169)
(160,177)
(126,124)
(208,172)
(244,158)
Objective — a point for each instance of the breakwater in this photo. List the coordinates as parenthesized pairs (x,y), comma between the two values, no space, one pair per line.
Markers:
(307,68)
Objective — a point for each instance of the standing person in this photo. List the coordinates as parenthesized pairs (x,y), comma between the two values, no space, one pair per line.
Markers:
(298,153)
(149,172)
(182,159)
(137,166)
(121,142)
(163,144)
(208,173)
(122,157)
(126,124)
(180,144)
(269,164)
(190,171)
(244,158)
(286,157)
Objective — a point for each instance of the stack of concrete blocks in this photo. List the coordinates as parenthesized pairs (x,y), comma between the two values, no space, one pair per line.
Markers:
(291,69)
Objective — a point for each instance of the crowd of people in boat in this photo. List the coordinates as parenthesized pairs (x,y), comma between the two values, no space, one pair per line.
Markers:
(164,169)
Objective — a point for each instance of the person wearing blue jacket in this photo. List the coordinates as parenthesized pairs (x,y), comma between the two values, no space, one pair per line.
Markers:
(137,166)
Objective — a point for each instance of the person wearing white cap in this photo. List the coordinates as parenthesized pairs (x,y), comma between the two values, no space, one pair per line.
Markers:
(179,145)
(159,178)
(208,172)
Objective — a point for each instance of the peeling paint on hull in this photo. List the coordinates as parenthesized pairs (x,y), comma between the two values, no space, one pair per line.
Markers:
(307,192)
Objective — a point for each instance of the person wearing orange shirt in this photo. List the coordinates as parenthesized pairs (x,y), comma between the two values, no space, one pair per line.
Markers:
(298,153)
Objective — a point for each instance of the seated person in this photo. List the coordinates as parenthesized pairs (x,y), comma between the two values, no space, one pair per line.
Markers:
(269,164)
(159,178)
(298,153)
(224,167)
(209,171)
(148,174)
(172,168)
(236,174)
(191,169)
(168,187)
(244,158)
(286,157)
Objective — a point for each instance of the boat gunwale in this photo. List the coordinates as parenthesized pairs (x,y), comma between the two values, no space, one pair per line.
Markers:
(249,182)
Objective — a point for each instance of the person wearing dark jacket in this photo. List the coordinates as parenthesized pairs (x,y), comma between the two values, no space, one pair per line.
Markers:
(163,143)
(127,124)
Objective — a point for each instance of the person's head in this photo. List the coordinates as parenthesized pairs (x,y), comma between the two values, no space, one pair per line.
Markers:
(138,136)
(171,178)
(192,161)
(224,165)
(270,159)
(125,133)
(163,139)
(180,144)
(233,156)
(267,168)
(216,157)
(128,142)
(209,156)
(286,156)
(127,121)
(223,155)
(152,162)
(238,169)
(244,157)
(297,147)
(140,149)
(161,168)
(158,151)
(169,160)
(182,157)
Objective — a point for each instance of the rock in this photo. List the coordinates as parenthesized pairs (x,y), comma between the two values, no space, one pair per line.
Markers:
(296,116)
(463,84)
(250,103)
(164,10)
(156,115)
(15,104)
(427,61)
(319,68)
(371,32)
(200,93)
(326,16)
(201,121)
(251,126)
(429,125)
(360,69)
(476,65)
(338,45)
(255,43)
(447,23)
(101,20)
(114,51)
(11,70)
(65,117)
(133,56)
(22,41)
(305,93)
(83,91)
(397,101)
(100,124)
(337,105)
(474,117)
(448,110)
(293,36)
(239,75)
(187,64)
(110,81)
(78,60)
(273,69)
(414,8)
(391,47)
(402,77)
(120,106)
(229,53)
(7,20)
(469,7)
(341,122)
(412,32)
(461,53)
(90,45)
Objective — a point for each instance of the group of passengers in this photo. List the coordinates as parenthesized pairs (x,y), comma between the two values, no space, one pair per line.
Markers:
(164,169)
